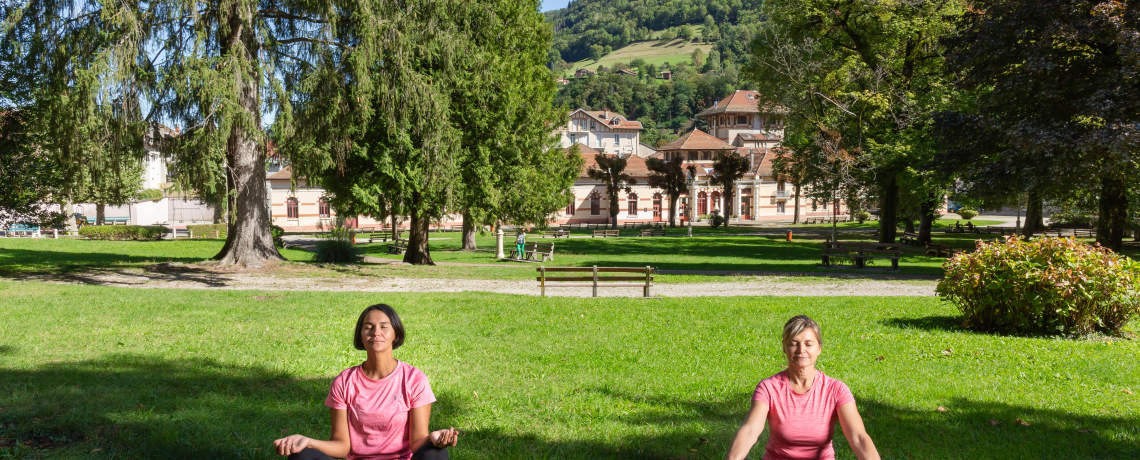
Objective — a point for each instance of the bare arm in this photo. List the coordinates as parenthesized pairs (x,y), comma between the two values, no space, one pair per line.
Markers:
(748,433)
(852,425)
(418,433)
(337,446)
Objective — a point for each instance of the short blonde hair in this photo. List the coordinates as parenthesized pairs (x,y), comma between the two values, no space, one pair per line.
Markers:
(798,324)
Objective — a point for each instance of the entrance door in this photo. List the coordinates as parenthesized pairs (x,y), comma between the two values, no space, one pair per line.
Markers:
(746,208)
(657,207)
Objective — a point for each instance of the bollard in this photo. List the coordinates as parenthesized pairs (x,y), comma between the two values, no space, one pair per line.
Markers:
(789,235)
(55,234)
(173,233)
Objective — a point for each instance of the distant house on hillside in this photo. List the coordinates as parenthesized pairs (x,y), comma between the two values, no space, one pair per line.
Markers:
(666,75)
(584,72)
(562,81)
(627,72)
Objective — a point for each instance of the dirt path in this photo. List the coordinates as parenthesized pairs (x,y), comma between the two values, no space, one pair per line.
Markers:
(175,278)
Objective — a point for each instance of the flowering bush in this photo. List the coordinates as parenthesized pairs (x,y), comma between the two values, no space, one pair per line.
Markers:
(1048,285)
(968,213)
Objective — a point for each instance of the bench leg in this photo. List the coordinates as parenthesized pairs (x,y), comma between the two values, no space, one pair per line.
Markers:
(894,264)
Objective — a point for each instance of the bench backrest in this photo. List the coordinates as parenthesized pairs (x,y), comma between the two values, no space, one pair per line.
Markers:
(860,246)
(541,247)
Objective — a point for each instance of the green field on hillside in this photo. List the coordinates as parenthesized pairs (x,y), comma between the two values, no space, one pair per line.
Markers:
(653,52)
(94,372)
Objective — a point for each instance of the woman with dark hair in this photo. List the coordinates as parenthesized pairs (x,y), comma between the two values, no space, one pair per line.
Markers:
(801,405)
(380,409)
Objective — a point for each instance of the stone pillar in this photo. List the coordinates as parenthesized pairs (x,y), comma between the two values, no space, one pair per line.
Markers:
(499,242)
(756,199)
(692,201)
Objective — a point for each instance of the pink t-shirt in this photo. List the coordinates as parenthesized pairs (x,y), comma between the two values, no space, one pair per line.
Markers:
(801,426)
(378,410)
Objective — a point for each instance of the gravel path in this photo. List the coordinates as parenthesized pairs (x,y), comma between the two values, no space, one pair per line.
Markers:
(174,278)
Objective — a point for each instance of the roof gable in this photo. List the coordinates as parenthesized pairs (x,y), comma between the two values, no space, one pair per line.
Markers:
(606,117)
(742,101)
(697,140)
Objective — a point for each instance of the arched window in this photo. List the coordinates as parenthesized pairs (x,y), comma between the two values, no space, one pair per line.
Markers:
(702,203)
(323,208)
(632,208)
(595,204)
(291,208)
(570,207)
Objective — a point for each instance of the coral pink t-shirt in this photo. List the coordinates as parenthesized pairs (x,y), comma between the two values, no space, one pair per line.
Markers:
(801,426)
(378,410)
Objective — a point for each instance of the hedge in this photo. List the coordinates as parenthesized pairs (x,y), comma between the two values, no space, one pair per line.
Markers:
(123,232)
(208,230)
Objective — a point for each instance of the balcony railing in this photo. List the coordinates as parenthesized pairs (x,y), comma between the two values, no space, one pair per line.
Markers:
(782,194)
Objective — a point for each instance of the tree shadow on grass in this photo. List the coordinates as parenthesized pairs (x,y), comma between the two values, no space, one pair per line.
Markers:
(131,406)
(942,323)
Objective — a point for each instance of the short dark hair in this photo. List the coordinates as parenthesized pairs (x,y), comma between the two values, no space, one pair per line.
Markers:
(392,318)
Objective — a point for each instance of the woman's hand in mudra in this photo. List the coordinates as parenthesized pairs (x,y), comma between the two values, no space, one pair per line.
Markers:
(291,444)
(445,438)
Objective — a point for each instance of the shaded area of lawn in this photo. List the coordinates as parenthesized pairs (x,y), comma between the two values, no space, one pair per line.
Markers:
(65,256)
(213,374)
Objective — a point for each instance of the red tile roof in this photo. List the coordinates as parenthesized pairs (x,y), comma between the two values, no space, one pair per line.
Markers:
(285,173)
(742,101)
(697,140)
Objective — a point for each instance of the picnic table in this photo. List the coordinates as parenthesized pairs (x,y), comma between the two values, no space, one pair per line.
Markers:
(860,253)
(909,238)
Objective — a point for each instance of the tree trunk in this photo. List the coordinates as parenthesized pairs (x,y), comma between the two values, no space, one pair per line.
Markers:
(909,227)
(614,209)
(100,214)
(727,203)
(673,210)
(1034,210)
(889,210)
(796,213)
(418,253)
(468,233)
(395,227)
(1113,212)
(248,241)
(219,213)
(927,223)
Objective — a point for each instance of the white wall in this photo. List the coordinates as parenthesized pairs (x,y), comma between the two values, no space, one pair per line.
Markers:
(151,212)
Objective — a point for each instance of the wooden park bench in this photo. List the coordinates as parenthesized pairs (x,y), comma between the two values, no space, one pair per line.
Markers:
(1056,232)
(652,232)
(999,230)
(860,253)
(537,252)
(398,247)
(383,237)
(909,238)
(606,233)
(594,281)
(939,250)
(560,233)
(1084,233)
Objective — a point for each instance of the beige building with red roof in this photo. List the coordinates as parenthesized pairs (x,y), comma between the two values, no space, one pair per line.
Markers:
(602,130)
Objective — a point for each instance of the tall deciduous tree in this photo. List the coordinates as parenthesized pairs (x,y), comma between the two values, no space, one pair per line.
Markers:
(610,169)
(864,74)
(215,66)
(728,168)
(669,176)
(1060,78)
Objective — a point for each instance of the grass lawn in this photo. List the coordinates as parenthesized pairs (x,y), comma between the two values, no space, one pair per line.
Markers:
(67,255)
(653,52)
(937,224)
(96,372)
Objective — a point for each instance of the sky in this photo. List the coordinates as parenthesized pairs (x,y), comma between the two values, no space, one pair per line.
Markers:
(548,5)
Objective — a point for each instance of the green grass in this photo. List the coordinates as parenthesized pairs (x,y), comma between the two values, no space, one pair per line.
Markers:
(653,52)
(68,255)
(937,224)
(92,372)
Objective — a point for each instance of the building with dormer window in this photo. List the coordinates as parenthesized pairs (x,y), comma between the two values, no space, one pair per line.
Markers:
(604,131)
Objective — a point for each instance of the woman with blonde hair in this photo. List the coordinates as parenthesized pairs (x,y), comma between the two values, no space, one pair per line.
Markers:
(801,405)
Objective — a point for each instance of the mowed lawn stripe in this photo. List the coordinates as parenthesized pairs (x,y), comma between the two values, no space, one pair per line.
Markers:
(202,374)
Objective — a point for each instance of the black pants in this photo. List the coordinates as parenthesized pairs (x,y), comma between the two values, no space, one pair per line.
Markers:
(428,452)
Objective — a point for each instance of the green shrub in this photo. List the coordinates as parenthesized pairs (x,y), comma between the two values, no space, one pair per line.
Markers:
(123,232)
(1045,286)
(277,233)
(336,247)
(862,216)
(968,213)
(150,194)
(208,230)
(717,220)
